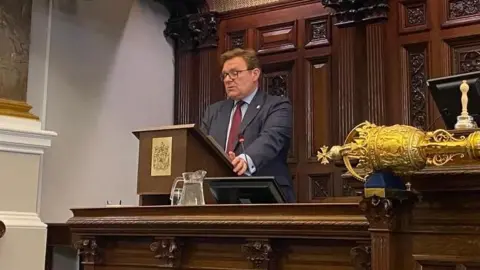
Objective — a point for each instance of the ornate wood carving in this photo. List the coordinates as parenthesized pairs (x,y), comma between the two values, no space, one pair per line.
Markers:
(320,186)
(463,8)
(361,257)
(317,32)
(277,84)
(237,42)
(413,16)
(417,84)
(469,61)
(193,31)
(89,251)
(351,13)
(388,213)
(168,251)
(258,252)
(3,229)
(416,15)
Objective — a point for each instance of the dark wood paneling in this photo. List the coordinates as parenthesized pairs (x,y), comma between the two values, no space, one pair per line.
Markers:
(339,77)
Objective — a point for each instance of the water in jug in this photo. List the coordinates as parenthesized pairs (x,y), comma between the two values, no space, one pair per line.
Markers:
(192,192)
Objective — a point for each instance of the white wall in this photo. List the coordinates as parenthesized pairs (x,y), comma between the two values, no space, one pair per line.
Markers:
(98,70)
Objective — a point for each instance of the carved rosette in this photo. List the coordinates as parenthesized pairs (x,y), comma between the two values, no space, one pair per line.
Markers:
(193,31)
(3,229)
(361,257)
(168,251)
(88,251)
(388,213)
(258,252)
(353,12)
(415,15)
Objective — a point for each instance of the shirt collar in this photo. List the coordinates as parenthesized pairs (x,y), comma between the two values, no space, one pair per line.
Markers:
(248,99)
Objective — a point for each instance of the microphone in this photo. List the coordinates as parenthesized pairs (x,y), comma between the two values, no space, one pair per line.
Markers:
(241,140)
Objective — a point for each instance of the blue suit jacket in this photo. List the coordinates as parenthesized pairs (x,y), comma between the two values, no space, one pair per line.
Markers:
(267,129)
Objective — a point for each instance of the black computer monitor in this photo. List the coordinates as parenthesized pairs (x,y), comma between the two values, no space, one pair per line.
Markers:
(446,94)
(245,190)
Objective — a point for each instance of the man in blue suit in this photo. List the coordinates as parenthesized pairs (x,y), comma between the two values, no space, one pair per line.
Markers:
(262,121)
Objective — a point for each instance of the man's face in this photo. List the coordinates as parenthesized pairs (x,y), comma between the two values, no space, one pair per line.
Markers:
(240,82)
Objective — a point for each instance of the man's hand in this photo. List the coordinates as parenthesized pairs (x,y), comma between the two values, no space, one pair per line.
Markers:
(239,164)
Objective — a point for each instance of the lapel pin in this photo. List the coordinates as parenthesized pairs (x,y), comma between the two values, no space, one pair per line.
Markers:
(258,107)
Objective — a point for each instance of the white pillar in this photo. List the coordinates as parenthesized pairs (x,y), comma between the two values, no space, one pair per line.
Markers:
(22,142)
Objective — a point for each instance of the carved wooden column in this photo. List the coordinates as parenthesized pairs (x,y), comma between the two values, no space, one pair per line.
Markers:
(361,94)
(194,31)
(14,55)
(389,219)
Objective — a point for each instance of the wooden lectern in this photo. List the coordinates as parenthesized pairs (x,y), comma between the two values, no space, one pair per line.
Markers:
(166,152)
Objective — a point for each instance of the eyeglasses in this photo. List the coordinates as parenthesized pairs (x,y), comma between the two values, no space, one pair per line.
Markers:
(232,74)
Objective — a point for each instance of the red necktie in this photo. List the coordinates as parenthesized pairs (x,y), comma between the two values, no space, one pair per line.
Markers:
(235,126)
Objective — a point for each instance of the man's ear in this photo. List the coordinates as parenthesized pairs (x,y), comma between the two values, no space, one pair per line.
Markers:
(256,72)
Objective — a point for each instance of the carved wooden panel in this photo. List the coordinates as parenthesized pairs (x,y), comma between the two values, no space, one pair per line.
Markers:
(321,186)
(319,104)
(460,12)
(413,16)
(466,56)
(278,79)
(236,40)
(463,8)
(317,32)
(416,78)
(276,38)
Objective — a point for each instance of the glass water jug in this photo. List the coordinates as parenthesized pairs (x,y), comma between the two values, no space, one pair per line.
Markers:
(192,191)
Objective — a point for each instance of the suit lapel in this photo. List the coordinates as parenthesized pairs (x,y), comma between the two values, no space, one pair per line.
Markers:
(223,121)
(252,111)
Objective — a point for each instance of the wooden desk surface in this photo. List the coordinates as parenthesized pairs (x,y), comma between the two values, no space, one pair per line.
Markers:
(334,218)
